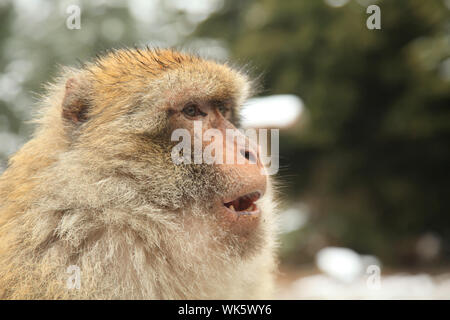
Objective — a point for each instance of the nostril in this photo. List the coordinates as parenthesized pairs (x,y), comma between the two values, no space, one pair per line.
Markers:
(248,155)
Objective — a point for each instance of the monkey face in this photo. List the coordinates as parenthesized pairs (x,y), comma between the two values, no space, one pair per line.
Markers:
(137,108)
(234,166)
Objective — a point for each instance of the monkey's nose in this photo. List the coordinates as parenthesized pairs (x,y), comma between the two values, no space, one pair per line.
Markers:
(249,154)
(243,164)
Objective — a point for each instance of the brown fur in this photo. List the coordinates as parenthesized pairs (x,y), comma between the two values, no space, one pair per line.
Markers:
(104,195)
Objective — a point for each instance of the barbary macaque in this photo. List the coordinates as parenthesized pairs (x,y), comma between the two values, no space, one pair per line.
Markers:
(96,189)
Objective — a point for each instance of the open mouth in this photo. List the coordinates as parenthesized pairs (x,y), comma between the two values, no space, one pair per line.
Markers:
(244,205)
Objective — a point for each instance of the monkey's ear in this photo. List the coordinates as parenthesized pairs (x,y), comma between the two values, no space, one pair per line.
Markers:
(75,104)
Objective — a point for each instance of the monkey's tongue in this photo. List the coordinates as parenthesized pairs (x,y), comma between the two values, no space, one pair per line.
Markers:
(244,204)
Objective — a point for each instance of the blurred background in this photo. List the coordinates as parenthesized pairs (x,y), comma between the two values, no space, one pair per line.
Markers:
(364,118)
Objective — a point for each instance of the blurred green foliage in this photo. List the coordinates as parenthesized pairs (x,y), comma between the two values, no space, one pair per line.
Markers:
(371,159)
(34,42)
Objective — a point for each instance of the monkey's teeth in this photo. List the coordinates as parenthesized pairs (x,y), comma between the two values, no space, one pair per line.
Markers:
(244,204)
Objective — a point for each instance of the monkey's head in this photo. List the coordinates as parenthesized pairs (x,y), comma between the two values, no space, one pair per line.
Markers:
(118,116)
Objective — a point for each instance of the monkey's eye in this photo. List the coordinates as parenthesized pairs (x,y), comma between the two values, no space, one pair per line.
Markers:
(192,110)
(222,109)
